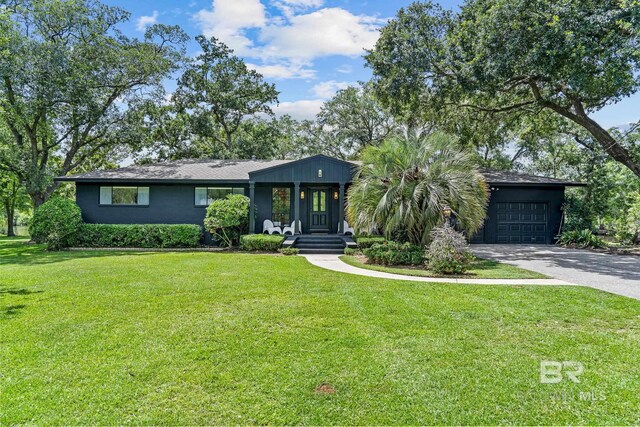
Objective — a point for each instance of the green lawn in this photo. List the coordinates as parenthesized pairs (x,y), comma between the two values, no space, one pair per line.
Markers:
(480,269)
(214,338)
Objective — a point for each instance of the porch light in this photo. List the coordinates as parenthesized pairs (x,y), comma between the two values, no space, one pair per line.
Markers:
(335,195)
(319,173)
(302,195)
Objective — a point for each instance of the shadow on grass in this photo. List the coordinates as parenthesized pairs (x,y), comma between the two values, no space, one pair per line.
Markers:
(18,251)
(11,310)
(18,292)
(484,264)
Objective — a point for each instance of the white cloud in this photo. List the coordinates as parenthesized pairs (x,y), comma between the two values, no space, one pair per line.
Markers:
(227,20)
(326,90)
(290,7)
(146,20)
(295,36)
(325,32)
(284,71)
(304,3)
(300,110)
(345,69)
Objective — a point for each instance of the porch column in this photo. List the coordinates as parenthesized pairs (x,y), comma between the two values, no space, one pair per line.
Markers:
(252,214)
(341,210)
(296,207)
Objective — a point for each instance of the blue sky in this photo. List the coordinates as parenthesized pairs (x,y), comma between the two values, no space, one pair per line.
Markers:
(308,48)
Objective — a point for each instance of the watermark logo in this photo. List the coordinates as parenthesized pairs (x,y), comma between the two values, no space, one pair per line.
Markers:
(553,372)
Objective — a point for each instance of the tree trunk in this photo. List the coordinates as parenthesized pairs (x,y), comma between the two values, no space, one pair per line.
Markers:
(608,143)
(37,199)
(10,211)
(10,219)
(612,147)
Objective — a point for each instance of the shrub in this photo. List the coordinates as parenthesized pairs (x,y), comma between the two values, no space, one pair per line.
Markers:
(368,241)
(228,218)
(56,223)
(261,242)
(448,252)
(581,239)
(394,253)
(289,251)
(350,251)
(140,235)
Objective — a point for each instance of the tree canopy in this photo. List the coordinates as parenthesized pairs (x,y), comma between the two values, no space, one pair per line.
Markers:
(508,57)
(66,77)
(219,92)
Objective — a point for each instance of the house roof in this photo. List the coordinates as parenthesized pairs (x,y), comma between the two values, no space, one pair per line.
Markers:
(181,170)
(205,170)
(495,177)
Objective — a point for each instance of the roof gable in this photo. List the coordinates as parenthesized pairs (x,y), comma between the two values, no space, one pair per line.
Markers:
(315,169)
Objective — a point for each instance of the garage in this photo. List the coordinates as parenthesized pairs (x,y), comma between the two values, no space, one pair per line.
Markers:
(523,209)
(522,222)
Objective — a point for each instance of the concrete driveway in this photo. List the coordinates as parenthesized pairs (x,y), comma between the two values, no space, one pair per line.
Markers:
(618,274)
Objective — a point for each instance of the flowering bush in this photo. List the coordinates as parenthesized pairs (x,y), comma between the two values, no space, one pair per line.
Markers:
(448,252)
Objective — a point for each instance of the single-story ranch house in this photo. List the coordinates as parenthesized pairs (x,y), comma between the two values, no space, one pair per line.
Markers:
(522,209)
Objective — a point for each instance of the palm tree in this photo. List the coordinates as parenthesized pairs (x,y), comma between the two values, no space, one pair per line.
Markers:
(404,185)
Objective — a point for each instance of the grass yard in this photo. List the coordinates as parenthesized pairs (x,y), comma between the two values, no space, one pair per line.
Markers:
(480,269)
(213,338)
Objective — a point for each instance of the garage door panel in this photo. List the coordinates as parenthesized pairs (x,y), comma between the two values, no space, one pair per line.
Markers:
(522,222)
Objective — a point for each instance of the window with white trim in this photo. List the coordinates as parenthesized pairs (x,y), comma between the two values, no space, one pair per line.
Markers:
(205,195)
(124,195)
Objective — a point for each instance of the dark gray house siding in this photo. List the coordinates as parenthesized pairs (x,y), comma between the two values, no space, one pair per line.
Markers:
(307,171)
(168,204)
(522,208)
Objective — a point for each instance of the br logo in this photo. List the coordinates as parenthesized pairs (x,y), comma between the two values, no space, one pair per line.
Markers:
(552,372)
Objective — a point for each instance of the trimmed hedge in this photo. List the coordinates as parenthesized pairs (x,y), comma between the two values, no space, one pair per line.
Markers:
(350,251)
(368,241)
(139,236)
(394,253)
(261,242)
(289,251)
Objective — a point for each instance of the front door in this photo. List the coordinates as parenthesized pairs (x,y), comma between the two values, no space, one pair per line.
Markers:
(319,211)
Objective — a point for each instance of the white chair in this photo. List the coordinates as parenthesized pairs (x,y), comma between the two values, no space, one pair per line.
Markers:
(268,227)
(290,229)
(346,228)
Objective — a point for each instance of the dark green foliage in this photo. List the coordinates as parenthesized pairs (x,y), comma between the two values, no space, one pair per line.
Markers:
(350,251)
(221,92)
(368,241)
(289,251)
(580,239)
(578,214)
(69,76)
(403,186)
(513,58)
(261,242)
(394,253)
(448,252)
(56,223)
(139,236)
(227,219)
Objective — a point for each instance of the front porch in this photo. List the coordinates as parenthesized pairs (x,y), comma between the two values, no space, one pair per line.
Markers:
(307,195)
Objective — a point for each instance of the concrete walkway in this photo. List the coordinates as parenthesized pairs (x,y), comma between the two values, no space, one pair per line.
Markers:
(333,262)
(618,274)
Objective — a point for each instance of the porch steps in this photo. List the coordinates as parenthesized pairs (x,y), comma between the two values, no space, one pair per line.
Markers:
(320,244)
